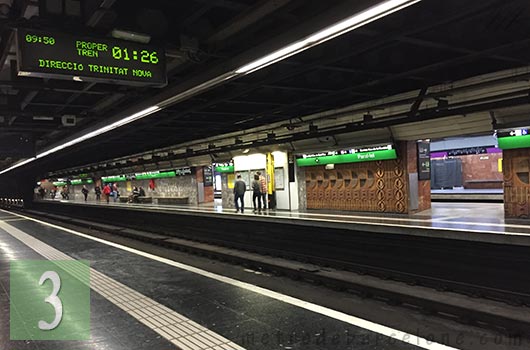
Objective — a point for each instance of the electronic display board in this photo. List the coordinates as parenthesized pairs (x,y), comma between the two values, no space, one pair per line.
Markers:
(62,56)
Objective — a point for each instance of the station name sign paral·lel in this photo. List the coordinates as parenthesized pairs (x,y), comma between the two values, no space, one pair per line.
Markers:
(354,155)
(62,56)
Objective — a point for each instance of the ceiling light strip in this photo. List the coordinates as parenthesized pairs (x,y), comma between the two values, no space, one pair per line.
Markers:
(358,20)
(87,136)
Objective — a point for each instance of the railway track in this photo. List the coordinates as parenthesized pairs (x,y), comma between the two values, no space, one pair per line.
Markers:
(304,262)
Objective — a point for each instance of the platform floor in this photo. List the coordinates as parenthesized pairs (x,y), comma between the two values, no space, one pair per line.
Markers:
(142,301)
(460,217)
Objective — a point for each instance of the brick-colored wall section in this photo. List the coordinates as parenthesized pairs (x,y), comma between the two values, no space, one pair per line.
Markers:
(516,169)
(481,167)
(209,195)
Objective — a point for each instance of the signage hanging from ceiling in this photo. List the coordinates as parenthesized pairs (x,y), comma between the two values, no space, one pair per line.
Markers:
(62,56)
(224,168)
(512,139)
(354,155)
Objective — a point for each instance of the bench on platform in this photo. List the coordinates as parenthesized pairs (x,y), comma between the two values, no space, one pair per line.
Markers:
(143,200)
(483,184)
(172,200)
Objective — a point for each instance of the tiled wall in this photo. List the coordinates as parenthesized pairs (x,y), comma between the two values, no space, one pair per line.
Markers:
(516,168)
(180,186)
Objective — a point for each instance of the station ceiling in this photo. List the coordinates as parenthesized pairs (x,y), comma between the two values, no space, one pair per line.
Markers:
(430,43)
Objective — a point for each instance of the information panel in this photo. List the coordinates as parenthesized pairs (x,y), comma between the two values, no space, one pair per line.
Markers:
(424,161)
(61,56)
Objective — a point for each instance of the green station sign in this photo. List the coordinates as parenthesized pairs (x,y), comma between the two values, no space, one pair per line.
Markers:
(513,139)
(81,181)
(348,156)
(116,178)
(225,169)
(148,175)
(154,175)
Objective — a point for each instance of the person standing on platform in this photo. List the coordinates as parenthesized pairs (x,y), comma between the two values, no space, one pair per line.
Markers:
(84,191)
(263,187)
(66,192)
(107,191)
(97,190)
(240,187)
(115,192)
(42,192)
(142,192)
(256,193)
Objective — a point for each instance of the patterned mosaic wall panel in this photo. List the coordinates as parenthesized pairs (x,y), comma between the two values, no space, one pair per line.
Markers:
(516,169)
(372,186)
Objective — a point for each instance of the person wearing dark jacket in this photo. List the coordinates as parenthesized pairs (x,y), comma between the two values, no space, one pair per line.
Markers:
(240,187)
(85,192)
(256,193)
(97,190)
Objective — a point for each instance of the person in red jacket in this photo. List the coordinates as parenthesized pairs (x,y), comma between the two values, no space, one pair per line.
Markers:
(106,192)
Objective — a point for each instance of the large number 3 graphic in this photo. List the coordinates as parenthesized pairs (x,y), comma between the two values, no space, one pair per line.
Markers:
(53,299)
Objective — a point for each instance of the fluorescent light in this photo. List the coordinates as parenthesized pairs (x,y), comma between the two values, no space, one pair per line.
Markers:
(16,165)
(87,136)
(101,131)
(358,20)
(130,36)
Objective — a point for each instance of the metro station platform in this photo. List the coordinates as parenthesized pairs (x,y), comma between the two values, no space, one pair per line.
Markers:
(483,222)
(143,301)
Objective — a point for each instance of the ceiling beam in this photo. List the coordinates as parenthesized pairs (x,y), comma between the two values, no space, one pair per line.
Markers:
(229,4)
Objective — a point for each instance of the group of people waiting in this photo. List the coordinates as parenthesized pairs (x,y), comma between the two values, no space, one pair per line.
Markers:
(259,193)
(108,191)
